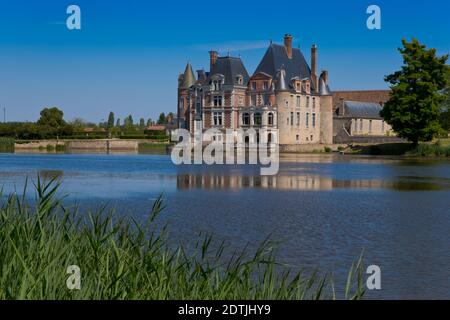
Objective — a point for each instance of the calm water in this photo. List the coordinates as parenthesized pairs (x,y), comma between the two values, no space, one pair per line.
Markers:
(324,210)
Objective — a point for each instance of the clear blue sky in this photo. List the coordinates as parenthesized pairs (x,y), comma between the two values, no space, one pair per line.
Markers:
(128,54)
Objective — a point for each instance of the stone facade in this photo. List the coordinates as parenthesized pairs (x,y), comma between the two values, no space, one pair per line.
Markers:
(285,98)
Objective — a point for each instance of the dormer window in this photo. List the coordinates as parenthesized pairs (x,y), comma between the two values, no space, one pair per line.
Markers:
(254,85)
(217,85)
(217,82)
(239,79)
(266,85)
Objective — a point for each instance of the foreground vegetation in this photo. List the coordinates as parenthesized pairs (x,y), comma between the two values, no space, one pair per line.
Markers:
(7,144)
(122,259)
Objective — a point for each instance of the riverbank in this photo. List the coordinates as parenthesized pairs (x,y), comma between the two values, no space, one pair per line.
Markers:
(99,145)
(117,258)
(438,148)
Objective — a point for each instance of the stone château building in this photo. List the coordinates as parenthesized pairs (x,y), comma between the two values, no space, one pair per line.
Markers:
(285,96)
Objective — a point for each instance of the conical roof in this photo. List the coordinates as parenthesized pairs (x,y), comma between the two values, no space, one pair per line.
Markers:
(324,90)
(188,77)
(281,80)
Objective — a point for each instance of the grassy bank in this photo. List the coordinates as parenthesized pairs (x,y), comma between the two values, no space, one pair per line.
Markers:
(439,148)
(122,259)
(7,144)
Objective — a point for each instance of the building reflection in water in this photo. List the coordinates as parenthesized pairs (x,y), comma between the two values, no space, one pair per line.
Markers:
(292,182)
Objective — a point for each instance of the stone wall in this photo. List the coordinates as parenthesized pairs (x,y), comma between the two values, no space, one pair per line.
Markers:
(308,148)
(104,145)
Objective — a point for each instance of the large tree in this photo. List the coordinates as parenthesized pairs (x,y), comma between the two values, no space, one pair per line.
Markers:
(52,117)
(111,120)
(162,118)
(414,107)
(445,115)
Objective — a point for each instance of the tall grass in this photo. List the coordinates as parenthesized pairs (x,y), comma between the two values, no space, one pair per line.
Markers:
(7,144)
(120,258)
(436,149)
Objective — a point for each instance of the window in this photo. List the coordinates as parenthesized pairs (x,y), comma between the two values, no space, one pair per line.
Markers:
(270,119)
(286,103)
(314,103)
(257,119)
(314,120)
(253,100)
(239,79)
(253,85)
(246,119)
(356,124)
(298,119)
(182,104)
(370,126)
(297,137)
(307,102)
(292,118)
(266,99)
(266,85)
(298,101)
(217,101)
(307,120)
(217,85)
(217,118)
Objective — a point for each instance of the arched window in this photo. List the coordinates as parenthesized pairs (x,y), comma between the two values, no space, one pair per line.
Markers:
(246,119)
(257,119)
(270,119)
(269,138)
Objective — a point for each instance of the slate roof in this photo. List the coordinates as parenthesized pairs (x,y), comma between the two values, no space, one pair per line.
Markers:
(188,77)
(324,89)
(276,58)
(230,67)
(364,110)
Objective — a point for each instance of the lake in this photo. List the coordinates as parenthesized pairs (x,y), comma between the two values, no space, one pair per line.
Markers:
(323,210)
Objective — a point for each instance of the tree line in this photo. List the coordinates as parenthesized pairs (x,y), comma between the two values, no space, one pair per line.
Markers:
(51,125)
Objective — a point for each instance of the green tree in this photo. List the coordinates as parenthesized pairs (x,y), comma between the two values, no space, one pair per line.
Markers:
(52,117)
(162,118)
(111,120)
(128,122)
(149,122)
(170,117)
(118,123)
(413,110)
(142,123)
(445,115)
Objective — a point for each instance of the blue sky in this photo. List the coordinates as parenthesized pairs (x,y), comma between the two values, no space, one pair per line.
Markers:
(128,54)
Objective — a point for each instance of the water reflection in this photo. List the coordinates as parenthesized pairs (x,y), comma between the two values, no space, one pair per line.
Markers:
(304,183)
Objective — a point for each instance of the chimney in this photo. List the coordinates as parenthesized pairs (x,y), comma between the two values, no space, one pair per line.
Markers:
(341,107)
(314,65)
(288,45)
(213,55)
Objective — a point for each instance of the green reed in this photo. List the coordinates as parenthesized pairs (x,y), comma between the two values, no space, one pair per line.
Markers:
(7,144)
(120,258)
